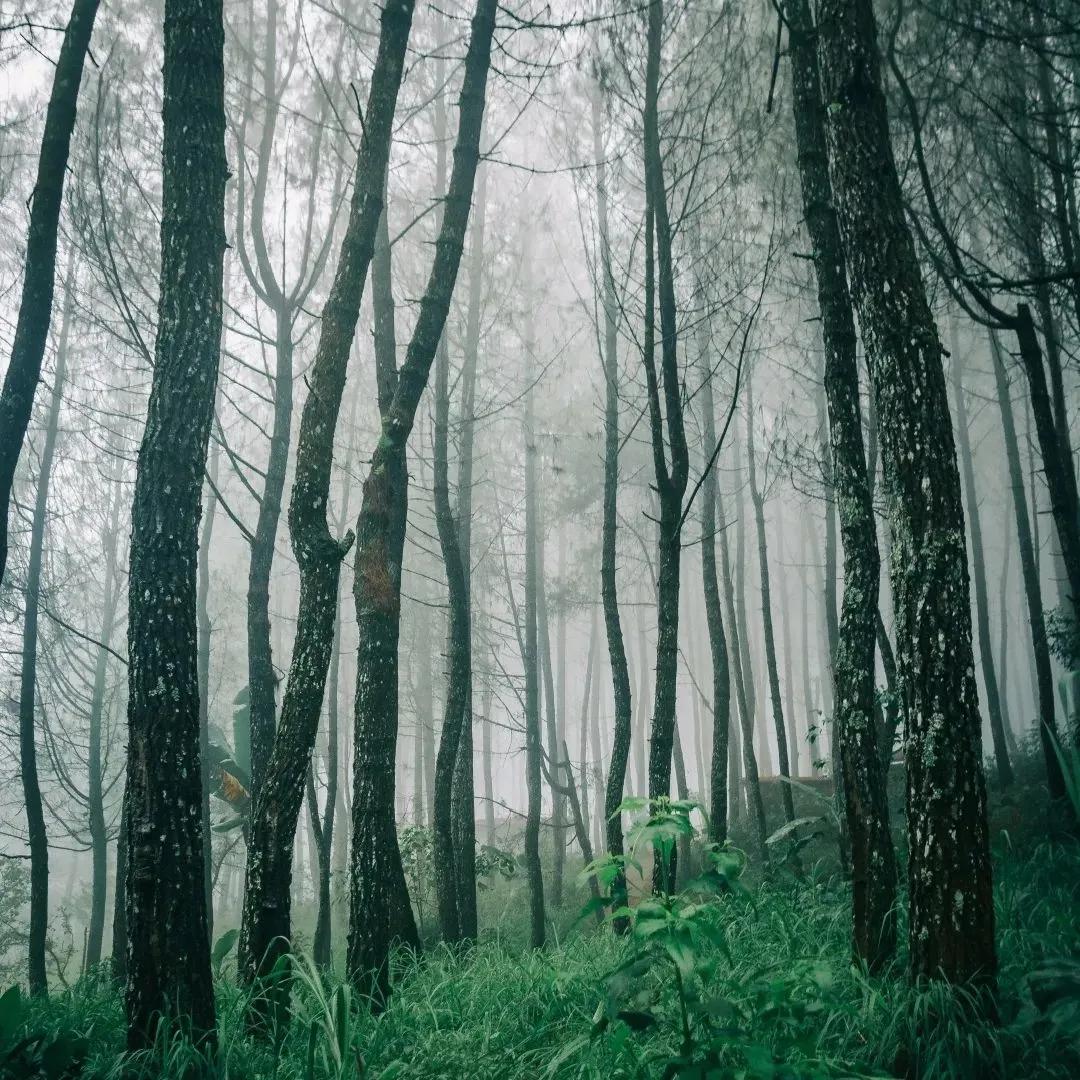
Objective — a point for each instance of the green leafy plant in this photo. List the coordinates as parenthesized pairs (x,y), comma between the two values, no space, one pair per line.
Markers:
(678,940)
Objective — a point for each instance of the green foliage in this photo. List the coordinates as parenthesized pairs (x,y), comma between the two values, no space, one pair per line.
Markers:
(1064,637)
(772,993)
(682,934)
(31,1053)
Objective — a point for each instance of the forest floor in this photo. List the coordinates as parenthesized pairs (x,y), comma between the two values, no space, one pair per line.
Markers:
(772,993)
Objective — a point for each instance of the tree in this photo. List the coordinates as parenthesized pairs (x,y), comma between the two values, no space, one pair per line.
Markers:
(379,912)
(168,968)
(267,922)
(951,921)
(36,303)
(865,799)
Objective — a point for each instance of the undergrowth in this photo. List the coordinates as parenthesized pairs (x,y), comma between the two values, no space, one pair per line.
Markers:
(789,998)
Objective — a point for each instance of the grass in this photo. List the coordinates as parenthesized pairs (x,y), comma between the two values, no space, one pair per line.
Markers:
(794,1004)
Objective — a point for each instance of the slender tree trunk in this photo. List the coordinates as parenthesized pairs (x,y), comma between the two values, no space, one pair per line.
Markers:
(758,500)
(861,776)
(35,814)
(202,605)
(168,970)
(982,602)
(119,926)
(39,268)
(262,680)
(551,717)
(459,661)
(620,673)
(379,910)
(267,921)
(464,797)
(1044,678)
(951,921)
(714,616)
(533,747)
(99,839)
(746,716)
(489,784)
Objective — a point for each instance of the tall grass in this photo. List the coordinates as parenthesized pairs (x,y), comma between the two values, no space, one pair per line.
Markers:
(500,1011)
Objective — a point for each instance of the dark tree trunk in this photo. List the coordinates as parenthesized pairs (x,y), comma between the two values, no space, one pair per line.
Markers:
(746,716)
(670,479)
(758,500)
(37,838)
(456,716)
(99,839)
(978,569)
(202,603)
(873,861)
(1057,467)
(1044,678)
(951,922)
(379,910)
(119,926)
(552,721)
(464,800)
(267,922)
(714,616)
(262,681)
(620,673)
(533,744)
(35,305)
(489,784)
(168,969)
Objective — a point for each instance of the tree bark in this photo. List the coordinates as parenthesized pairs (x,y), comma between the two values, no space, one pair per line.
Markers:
(533,745)
(1044,678)
(99,839)
(671,479)
(758,500)
(864,780)
(267,920)
(620,673)
(714,616)
(168,965)
(951,921)
(379,909)
(36,302)
(978,568)
(37,837)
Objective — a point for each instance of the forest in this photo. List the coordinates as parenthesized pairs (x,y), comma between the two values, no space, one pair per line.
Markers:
(539,539)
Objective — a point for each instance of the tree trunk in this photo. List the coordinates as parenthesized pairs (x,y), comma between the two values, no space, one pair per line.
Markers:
(267,921)
(119,926)
(1044,678)
(37,838)
(746,716)
(758,500)
(99,839)
(714,617)
(551,717)
(39,269)
(620,673)
(982,602)
(202,606)
(533,746)
(169,947)
(951,922)
(464,798)
(873,862)
(670,479)
(379,909)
